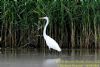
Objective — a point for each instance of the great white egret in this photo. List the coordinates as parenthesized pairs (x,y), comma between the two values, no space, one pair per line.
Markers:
(51,43)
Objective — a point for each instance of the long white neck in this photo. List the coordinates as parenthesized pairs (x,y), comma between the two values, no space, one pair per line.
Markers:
(44,31)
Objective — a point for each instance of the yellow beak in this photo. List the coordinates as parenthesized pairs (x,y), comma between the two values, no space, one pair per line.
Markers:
(41,18)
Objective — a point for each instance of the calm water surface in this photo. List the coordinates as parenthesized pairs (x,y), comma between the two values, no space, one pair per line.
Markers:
(34,58)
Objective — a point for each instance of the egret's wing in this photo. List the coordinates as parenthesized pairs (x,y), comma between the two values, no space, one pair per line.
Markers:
(52,43)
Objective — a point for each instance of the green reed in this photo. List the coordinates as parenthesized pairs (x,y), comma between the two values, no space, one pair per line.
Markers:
(73,24)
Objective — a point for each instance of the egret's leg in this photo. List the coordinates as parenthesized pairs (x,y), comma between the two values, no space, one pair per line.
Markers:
(50,50)
(59,53)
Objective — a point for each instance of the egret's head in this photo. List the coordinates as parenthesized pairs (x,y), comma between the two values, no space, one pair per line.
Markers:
(44,18)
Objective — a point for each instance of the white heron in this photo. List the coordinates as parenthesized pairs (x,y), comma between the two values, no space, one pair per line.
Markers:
(51,43)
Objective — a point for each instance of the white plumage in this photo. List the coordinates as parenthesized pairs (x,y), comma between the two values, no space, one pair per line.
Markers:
(51,43)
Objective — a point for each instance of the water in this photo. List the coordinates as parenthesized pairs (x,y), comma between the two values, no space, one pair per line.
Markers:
(34,58)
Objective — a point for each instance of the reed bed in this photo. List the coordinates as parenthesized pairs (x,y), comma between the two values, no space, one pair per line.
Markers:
(73,23)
